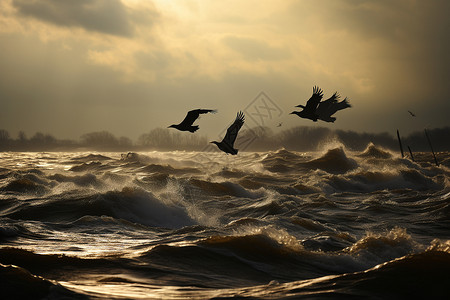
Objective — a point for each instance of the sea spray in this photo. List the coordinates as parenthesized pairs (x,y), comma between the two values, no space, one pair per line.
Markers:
(339,223)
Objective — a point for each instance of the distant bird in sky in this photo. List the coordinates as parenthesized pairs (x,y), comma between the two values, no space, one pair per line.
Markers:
(280,124)
(309,111)
(186,124)
(411,113)
(227,144)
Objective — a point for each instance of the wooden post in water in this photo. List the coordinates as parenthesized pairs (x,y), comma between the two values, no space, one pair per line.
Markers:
(400,143)
(410,152)
(431,147)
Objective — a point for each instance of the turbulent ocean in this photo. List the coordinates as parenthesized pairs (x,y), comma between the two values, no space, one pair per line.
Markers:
(204,225)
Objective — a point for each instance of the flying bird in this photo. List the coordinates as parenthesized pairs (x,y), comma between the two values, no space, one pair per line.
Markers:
(411,113)
(227,144)
(309,111)
(280,124)
(186,124)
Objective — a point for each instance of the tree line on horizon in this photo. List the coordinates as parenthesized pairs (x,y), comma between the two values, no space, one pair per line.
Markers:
(156,139)
(301,138)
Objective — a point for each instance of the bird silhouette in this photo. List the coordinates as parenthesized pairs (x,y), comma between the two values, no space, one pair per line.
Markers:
(309,111)
(411,113)
(186,124)
(227,144)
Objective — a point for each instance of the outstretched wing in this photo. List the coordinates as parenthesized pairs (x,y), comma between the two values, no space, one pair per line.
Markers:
(338,106)
(233,130)
(193,115)
(312,103)
(327,105)
(343,104)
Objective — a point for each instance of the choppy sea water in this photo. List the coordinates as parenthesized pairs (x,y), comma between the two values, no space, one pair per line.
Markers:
(272,225)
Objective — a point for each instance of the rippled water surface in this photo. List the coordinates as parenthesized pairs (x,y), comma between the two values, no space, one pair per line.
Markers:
(177,225)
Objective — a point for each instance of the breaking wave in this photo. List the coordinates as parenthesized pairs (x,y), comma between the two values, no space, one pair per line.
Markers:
(280,224)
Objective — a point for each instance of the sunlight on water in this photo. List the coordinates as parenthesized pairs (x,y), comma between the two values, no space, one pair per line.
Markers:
(197,225)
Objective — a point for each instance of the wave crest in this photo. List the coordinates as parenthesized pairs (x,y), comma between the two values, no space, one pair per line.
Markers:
(24,185)
(333,161)
(373,151)
(385,246)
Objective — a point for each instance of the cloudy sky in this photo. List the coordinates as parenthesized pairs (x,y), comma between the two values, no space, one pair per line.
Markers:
(73,67)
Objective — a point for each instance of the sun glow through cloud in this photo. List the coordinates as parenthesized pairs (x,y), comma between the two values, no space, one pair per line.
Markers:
(154,55)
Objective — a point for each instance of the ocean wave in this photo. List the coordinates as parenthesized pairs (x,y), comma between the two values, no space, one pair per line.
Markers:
(230,173)
(413,276)
(257,255)
(281,161)
(90,166)
(177,159)
(336,223)
(285,188)
(167,169)
(153,182)
(4,172)
(268,249)
(373,151)
(24,185)
(131,204)
(19,283)
(419,275)
(90,157)
(333,161)
(197,265)
(10,229)
(379,247)
(306,189)
(86,180)
(328,241)
(309,224)
(139,206)
(103,223)
(367,180)
(47,264)
(283,154)
(221,188)
(246,222)
(256,248)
